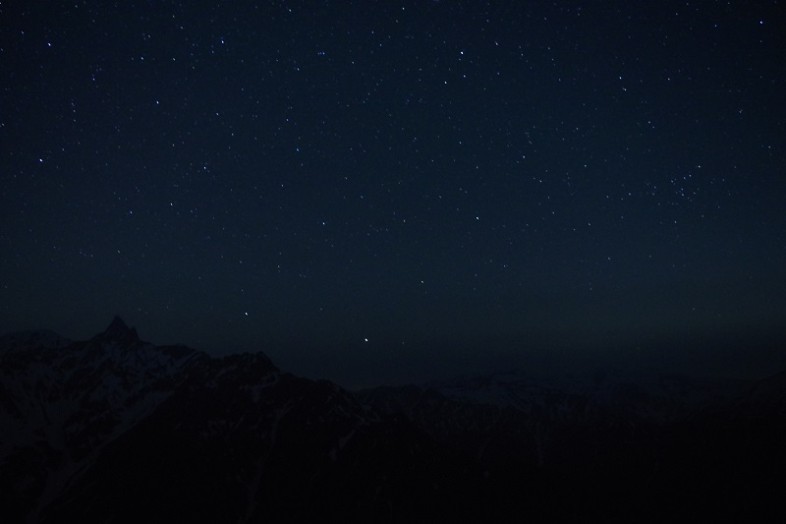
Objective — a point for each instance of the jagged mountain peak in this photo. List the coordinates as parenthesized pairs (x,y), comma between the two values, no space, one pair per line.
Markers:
(118,331)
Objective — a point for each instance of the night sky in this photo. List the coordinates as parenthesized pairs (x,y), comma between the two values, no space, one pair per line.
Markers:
(392,191)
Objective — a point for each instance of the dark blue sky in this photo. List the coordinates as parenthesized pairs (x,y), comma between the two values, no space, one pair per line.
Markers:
(370,190)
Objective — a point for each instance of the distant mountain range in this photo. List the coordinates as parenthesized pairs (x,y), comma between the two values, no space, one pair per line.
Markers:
(114,429)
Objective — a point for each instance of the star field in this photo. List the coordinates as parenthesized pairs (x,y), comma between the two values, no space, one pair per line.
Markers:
(370,188)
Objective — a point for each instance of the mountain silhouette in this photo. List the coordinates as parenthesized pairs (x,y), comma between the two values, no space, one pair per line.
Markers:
(117,429)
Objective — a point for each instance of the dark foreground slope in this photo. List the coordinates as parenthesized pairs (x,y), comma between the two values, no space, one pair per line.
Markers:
(114,429)
(615,450)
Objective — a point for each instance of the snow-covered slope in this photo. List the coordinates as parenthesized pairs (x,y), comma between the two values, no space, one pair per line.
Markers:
(61,402)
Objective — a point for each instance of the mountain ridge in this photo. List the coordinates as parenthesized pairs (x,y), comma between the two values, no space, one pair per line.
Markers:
(93,427)
(240,434)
